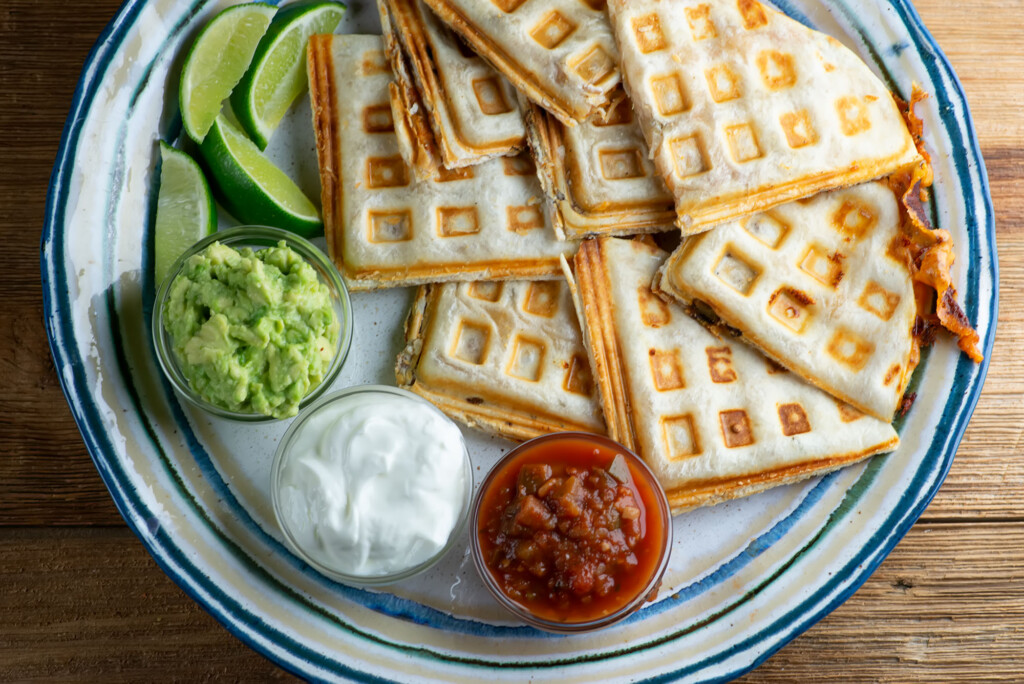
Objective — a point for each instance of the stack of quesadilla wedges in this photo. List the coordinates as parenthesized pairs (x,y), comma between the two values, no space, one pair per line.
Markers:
(521,161)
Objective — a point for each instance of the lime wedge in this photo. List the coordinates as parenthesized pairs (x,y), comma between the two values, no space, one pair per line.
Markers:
(251,187)
(277,74)
(185,211)
(217,61)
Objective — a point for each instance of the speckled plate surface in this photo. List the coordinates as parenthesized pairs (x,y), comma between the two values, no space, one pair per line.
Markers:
(746,576)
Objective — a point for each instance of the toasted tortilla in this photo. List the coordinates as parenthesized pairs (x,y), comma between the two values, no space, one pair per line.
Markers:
(598,175)
(506,358)
(744,108)
(558,53)
(471,109)
(713,418)
(385,229)
(821,286)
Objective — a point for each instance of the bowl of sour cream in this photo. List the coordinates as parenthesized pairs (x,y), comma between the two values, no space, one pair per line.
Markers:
(371,485)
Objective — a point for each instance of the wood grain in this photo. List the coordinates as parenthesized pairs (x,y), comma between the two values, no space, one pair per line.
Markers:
(921,617)
(983,40)
(58,619)
(46,476)
(82,600)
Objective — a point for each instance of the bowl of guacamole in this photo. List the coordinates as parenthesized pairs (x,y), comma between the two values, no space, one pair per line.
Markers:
(252,323)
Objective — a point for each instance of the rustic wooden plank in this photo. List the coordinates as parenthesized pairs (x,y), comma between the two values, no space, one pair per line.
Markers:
(922,617)
(983,40)
(88,605)
(46,476)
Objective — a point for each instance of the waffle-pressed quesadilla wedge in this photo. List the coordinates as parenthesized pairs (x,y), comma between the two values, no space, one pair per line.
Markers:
(598,175)
(713,418)
(745,108)
(821,286)
(503,357)
(384,229)
(471,109)
(559,53)
(410,118)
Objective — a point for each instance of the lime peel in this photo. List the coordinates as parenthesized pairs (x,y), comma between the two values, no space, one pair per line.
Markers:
(277,73)
(216,62)
(185,212)
(252,188)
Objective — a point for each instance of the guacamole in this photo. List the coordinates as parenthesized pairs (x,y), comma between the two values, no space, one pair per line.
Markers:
(253,332)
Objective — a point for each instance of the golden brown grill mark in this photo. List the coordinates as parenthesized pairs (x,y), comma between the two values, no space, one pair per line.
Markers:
(666,370)
(736,430)
(720,364)
(793,419)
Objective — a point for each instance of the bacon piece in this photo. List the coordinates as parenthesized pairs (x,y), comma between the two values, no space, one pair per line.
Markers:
(925,330)
(930,251)
(932,257)
(916,127)
(908,400)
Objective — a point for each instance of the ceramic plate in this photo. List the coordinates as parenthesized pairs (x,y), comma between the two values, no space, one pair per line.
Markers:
(746,576)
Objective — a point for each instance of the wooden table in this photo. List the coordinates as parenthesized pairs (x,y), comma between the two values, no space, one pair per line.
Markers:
(82,600)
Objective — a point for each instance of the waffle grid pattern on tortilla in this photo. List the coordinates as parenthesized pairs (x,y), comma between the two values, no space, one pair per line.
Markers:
(821,286)
(383,228)
(745,108)
(559,53)
(713,418)
(507,357)
(472,109)
(598,175)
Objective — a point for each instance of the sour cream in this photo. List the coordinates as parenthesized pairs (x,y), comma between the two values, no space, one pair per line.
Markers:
(372,482)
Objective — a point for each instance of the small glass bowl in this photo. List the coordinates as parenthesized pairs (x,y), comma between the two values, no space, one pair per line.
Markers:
(638,468)
(255,237)
(284,453)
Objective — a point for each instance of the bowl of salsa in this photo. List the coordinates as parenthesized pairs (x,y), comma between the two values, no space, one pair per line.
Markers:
(571,532)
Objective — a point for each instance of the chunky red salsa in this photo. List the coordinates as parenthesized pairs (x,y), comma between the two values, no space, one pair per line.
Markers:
(571,530)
